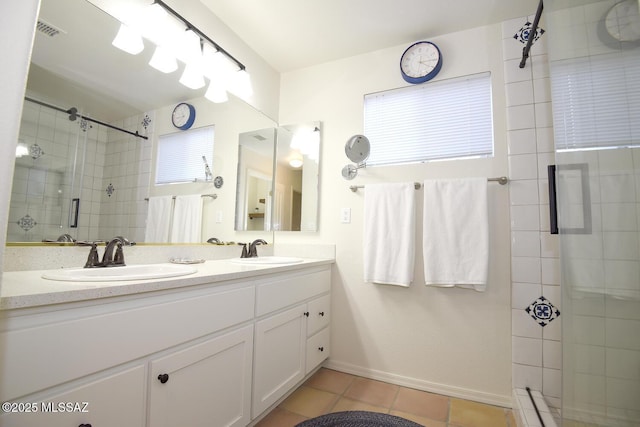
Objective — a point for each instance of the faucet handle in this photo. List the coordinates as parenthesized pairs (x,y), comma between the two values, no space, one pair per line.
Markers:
(245,253)
(118,258)
(93,260)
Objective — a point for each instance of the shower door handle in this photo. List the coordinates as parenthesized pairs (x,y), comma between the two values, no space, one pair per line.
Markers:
(553,208)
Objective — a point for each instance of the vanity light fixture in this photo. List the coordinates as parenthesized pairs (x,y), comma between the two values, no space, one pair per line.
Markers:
(163,60)
(176,38)
(128,40)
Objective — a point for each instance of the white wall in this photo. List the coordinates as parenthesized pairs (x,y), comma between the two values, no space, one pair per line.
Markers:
(452,341)
(17,26)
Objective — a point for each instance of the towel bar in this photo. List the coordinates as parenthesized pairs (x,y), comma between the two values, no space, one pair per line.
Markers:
(502,180)
(213,196)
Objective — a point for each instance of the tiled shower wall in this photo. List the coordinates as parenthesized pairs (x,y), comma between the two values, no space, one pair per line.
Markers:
(126,179)
(535,271)
(44,182)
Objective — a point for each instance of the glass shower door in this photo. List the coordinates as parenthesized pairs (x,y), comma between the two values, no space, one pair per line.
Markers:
(595,85)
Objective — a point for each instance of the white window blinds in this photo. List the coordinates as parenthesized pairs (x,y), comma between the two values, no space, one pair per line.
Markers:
(180,155)
(436,120)
(596,101)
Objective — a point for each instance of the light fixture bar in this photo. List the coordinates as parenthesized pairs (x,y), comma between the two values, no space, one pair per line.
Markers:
(193,28)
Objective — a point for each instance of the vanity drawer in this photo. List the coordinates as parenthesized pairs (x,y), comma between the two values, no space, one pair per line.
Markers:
(77,346)
(318,349)
(287,290)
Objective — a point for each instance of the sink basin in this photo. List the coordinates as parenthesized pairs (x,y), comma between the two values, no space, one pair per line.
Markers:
(267,260)
(129,272)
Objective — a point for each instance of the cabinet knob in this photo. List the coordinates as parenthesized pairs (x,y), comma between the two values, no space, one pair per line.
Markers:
(321,348)
(306,313)
(321,313)
(163,378)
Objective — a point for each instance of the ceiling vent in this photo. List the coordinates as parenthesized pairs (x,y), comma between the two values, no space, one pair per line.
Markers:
(48,29)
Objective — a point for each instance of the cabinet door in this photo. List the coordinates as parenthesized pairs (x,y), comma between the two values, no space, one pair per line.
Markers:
(319,314)
(112,400)
(318,349)
(207,384)
(280,356)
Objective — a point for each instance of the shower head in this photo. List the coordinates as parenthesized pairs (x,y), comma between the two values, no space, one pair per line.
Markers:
(73,113)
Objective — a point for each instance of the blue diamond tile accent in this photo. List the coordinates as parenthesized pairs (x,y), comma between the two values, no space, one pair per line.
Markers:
(110,189)
(26,222)
(523,33)
(542,311)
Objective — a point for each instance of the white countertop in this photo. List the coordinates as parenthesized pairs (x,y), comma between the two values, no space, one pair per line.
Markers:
(22,289)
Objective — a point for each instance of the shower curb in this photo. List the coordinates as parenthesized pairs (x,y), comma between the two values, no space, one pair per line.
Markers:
(525,411)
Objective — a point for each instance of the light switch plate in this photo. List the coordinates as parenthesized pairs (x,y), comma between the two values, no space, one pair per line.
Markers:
(345,215)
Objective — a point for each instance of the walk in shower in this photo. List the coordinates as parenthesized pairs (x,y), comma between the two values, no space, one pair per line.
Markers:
(594,64)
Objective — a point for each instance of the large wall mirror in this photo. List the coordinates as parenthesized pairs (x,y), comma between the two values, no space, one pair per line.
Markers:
(83,179)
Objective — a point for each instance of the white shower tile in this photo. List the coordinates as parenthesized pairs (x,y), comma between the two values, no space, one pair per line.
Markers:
(523,192)
(523,325)
(523,293)
(511,49)
(550,271)
(544,160)
(622,333)
(586,358)
(543,190)
(544,117)
(526,351)
(622,363)
(522,141)
(621,245)
(525,244)
(541,90)
(549,245)
(526,376)
(552,354)
(511,27)
(544,217)
(525,269)
(523,166)
(553,331)
(512,71)
(540,66)
(521,117)
(525,217)
(519,93)
(552,382)
(618,188)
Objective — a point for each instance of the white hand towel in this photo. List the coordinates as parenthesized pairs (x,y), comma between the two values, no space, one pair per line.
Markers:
(456,233)
(158,219)
(187,219)
(389,233)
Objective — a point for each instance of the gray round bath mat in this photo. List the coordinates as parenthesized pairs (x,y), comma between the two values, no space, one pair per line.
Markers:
(357,419)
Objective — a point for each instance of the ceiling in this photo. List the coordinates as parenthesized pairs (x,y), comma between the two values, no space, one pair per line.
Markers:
(292,34)
(288,34)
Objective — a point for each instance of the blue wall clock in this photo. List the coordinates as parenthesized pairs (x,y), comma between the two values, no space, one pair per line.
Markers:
(183,116)
(421,62)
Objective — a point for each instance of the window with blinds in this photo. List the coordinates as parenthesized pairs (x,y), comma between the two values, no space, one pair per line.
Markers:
(596,101)
(180,155)
(447,119)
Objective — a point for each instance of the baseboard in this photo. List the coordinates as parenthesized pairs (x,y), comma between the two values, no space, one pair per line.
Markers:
(447,390)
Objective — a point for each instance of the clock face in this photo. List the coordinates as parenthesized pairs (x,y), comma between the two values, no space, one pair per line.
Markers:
(420,62)
(623,21)
(183,116)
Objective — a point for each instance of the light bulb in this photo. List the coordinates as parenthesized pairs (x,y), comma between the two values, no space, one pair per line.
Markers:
(216,93)
(128,40)
(163,60)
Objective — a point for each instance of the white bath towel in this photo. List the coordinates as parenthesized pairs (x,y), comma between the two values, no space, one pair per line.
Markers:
(187,219)
(389,233)
(158,219)
(456,233)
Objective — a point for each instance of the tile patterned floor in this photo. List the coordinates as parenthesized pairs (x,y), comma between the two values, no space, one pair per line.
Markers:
(332,391)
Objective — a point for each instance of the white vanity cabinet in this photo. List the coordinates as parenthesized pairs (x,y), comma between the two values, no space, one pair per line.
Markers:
(213,354)
(292,327)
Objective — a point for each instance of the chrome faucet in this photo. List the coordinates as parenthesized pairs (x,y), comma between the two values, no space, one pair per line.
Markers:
(109,259)
(252,252)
